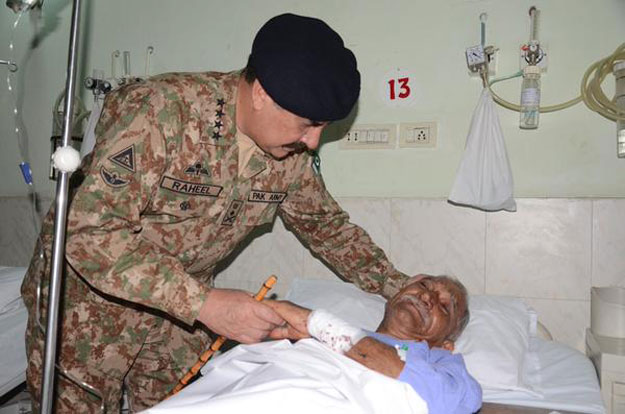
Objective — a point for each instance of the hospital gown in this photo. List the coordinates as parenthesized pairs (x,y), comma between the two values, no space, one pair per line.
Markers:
(438,376)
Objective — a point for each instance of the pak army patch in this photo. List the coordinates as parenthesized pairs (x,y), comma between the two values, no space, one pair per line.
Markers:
(233,211)
(125,158)
(257,196)
(112,179)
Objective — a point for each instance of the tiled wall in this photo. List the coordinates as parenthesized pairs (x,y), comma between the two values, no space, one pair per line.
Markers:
(550,252)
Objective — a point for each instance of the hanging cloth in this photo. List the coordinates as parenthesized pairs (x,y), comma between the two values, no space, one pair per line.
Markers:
(88,141)
(484,179)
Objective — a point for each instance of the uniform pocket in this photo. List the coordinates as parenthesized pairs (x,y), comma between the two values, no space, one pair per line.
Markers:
(183,199)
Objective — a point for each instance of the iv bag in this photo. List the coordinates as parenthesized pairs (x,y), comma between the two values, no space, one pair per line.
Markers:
(484,179)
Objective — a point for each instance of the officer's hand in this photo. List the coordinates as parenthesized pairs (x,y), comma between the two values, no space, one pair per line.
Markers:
(296,319)
(236,315)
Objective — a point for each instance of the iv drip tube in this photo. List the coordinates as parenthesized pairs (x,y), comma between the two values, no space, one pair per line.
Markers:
(58,247)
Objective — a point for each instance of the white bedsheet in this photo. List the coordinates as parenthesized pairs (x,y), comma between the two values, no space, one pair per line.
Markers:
(280,377)
(13,317)
(566,380)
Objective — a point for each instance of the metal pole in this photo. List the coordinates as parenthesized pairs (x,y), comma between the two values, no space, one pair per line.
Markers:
(58,246)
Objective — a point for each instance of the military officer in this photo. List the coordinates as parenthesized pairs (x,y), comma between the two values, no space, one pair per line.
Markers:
(184,167)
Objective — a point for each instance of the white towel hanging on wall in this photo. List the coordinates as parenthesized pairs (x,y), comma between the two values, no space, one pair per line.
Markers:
(484,179)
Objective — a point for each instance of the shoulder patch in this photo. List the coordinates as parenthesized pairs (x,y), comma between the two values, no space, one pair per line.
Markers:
(125,158)
(231,214)
(112,179)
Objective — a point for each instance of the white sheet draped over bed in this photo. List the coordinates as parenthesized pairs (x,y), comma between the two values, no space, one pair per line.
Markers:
(280,377)
(13,317)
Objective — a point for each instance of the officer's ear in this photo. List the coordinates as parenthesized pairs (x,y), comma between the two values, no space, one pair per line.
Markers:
(260,97)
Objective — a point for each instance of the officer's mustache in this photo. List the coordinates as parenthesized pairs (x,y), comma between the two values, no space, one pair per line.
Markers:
(297,147)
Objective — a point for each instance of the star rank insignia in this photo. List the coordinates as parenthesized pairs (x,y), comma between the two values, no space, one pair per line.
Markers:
(219,113)
(125,158)
(197,169)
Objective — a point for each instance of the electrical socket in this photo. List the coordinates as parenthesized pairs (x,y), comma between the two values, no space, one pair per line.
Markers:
(370,136)
(417,135)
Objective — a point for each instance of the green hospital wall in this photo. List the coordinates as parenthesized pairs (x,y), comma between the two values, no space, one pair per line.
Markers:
(572,154)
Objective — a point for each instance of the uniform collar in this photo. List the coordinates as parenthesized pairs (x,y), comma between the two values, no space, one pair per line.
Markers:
(252,159)
(256,164)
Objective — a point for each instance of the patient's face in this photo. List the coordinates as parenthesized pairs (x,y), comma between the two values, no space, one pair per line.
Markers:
(429,309)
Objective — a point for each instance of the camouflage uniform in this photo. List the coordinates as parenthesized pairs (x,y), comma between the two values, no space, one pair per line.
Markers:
(162,203)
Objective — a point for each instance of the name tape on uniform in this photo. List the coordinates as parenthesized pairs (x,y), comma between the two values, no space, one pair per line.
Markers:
(266,196)
(185,187)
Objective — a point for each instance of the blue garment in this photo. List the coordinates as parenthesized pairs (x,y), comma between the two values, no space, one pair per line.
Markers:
(438,376)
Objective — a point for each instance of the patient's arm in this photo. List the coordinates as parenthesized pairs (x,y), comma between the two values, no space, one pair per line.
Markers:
(377,356)
(368,351)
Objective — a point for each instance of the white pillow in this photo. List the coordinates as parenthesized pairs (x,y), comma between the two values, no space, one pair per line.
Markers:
(359,308)
(494,344)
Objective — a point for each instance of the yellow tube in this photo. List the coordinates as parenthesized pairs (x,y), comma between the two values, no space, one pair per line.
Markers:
(591,92)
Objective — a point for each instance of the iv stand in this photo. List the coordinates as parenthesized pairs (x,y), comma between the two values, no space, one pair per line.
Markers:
(60,218)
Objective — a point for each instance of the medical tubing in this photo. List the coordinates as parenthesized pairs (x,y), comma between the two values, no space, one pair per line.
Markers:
(503,78)
(19,129)
(260,295)
(591,90)
(542,109)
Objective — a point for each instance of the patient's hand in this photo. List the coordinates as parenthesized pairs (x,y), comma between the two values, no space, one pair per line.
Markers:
(296,319)
(377,356)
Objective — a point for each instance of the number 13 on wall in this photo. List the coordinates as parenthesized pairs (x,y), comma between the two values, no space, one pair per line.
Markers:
(398,88)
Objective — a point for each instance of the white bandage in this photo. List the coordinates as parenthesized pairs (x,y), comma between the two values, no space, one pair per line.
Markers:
(333,331)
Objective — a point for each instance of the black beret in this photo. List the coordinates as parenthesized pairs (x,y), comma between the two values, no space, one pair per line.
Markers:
(305,67)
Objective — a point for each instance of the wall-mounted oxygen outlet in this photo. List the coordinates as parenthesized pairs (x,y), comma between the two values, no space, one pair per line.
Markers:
(370,136)
(475,59)
(541,57)
(417,135)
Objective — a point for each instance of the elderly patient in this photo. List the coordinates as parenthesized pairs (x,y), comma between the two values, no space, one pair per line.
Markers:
(413,343)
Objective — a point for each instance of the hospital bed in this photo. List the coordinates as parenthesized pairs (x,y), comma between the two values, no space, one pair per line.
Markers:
(520,372)
(12,325)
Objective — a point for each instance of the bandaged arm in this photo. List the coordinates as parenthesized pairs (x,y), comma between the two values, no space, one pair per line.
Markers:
(437,375)
(354,343)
